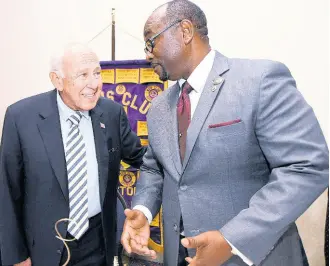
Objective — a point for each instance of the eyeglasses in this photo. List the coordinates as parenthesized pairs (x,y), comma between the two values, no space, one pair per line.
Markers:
(150,43)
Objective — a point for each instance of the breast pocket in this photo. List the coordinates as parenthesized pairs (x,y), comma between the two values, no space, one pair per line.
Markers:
(226,129)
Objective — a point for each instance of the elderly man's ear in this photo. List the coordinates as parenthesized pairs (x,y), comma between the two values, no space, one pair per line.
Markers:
(56,80)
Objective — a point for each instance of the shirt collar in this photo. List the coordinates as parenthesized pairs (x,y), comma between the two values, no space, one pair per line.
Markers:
(198,77)
(65,111)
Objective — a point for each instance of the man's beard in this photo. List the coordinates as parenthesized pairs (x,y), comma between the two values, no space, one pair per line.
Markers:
(164,76)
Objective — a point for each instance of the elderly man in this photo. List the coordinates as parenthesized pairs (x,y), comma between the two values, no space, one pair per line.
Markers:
(235,153)
(60,158)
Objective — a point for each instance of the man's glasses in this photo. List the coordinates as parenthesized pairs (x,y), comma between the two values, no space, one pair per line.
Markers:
(150,43)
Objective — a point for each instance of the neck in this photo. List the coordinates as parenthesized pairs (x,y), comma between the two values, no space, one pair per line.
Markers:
(66,102)
(196,58)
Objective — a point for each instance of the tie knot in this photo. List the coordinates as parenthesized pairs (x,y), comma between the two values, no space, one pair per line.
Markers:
(75,118)
(186,88)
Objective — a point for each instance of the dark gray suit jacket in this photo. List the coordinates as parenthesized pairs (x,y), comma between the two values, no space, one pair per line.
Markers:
(34,185)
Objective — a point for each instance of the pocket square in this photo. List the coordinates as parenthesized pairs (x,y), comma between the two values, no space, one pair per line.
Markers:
(228,123)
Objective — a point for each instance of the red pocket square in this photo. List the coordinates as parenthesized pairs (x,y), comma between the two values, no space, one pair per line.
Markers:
(225,123)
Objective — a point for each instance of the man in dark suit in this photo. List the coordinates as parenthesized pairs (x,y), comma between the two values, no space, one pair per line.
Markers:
(60,158)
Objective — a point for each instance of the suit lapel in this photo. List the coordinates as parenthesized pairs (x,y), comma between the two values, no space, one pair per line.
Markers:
(210,92)
(101,149)
(172,127)
(50,131)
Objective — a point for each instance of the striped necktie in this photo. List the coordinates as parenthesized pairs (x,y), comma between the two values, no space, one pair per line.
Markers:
(76,163)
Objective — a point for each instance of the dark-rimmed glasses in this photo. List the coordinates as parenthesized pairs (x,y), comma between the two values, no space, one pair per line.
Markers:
(150,43)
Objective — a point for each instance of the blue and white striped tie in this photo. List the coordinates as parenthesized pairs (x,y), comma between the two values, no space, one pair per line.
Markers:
(76,163)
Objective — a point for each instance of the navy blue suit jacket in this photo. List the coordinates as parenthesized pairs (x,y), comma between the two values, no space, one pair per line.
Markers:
(34,186)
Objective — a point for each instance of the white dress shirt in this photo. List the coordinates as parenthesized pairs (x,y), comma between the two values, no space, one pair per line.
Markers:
(86,129)
(197,81)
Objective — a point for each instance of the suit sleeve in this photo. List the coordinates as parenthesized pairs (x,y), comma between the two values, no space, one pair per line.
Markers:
(132,151)
(149,187)
(13,244)
(294,146)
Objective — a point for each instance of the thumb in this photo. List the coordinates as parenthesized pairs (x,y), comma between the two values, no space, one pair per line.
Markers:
(191,242)
(130,214)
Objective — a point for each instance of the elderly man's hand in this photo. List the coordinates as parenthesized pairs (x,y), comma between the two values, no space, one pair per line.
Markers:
(136,234)
(212,249)
(27,262)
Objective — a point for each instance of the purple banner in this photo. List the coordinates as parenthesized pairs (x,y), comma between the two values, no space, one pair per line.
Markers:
(134,84)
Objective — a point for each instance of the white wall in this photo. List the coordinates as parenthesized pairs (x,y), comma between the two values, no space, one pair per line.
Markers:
(295,32)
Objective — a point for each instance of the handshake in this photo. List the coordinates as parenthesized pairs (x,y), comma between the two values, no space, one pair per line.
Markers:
(211,247)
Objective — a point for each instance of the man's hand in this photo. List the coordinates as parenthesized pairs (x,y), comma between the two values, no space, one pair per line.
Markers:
(212,249)
(136,234)
(27,262)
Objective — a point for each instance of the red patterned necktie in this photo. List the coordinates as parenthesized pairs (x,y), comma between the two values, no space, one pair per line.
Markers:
(184,117)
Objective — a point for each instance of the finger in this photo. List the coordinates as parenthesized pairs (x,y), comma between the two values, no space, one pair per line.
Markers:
(142,250)
(136,248)
(153,254)
(149,252)
(125,241)
(192,262)
(192,242)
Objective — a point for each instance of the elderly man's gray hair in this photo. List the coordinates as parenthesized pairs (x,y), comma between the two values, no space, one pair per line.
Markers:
(56,62)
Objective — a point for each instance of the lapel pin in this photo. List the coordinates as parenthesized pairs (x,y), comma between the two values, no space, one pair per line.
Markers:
(216,82)
(102,125)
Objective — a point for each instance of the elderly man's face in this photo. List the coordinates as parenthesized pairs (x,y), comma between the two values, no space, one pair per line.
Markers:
(167,55)
(82,83)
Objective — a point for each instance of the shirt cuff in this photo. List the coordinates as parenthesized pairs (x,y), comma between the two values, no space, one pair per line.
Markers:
(145,211)
(236,252)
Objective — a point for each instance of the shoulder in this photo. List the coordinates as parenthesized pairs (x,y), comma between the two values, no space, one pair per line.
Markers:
(257,67)
(109,106)
(31,104)
(163,96)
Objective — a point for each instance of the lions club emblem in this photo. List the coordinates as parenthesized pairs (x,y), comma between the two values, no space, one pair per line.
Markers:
(120,89)
(127,179)
(152,92)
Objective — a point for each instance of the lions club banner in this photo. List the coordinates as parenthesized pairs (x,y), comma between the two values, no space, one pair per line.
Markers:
(134,84)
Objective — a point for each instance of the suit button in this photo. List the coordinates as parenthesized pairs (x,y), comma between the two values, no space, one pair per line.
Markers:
(183,188)
(175,227)
(59,251)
